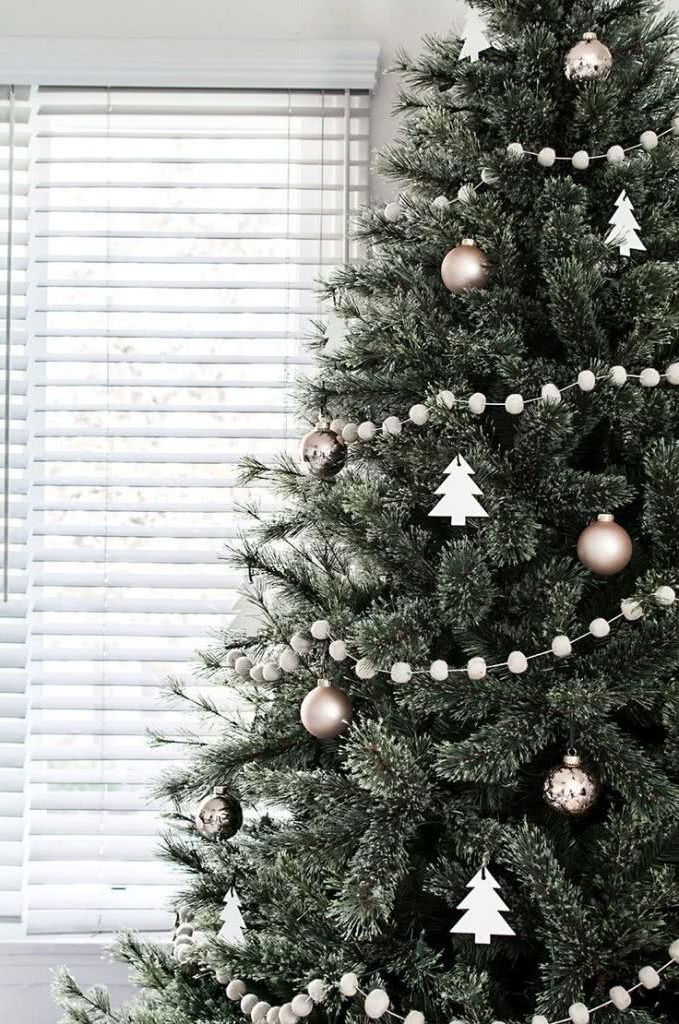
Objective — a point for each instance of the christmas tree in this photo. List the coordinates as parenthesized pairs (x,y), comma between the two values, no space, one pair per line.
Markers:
(458,492)
(459,667)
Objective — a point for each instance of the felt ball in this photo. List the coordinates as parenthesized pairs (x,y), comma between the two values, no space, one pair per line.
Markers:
(259,1011)
(446,399)
(288,660)
(515,151)
(365,669)
(476,668)
(366,431)
(438,670)
(272,1015)
(271,672)
(604,547)
(599,627)
(257,673)
(539,1019)
(465,268)
(477,403)
(348,984)
(586,380)
(326,712)
(401,672)
(514,404)
(550,393)
(222,976)
(465,193)
(393,212)
(580,160)
(649,140)
(338,424)
(286,1014)
(302,1004)
(517,662)
(320,629)
(615,155)
(578,1013)
(665,596)
(589,60)
(182,952)
(376,1003)
(649,977)
(617,375)
(413,1017)
(488,176)
(674,951)
(392,425)
(233,656)
(337,650)
(248,1003)
(317,989)
(441,202)
(620,997)
(322,452)
(672,374)
(183,940)
(184,929)
(561,646)
(418,414)
(649,377)
(300,644)
(243,666)
(546,156)
(350,433)
(631,609)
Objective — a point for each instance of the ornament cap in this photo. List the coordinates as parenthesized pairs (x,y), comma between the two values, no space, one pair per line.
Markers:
(605,517)
(572,759)
(589,36)
(324,682)
(220,791)
(467,241)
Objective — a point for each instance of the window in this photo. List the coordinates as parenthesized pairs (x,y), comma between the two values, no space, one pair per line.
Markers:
(165,249)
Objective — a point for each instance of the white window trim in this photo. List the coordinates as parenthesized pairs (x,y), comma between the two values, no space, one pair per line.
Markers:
(206,63)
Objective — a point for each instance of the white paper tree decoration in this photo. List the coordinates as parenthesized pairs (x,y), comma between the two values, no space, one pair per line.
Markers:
(234,925)
(484,910)
(475,36)
(458,490)
(624,227)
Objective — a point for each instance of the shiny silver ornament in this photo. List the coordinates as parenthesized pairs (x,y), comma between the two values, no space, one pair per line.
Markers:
(569,788)
(219,815)
(589,60)
(326,711)
(465,267)
(323,452)
(604,546)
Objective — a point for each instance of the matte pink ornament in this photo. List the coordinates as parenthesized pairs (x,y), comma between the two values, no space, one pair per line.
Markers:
(326,711)
(604,546)
(465,267)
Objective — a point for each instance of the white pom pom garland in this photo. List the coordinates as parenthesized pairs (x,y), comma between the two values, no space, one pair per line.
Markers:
(317,989)
(337,650)
(649,378)
(401,672)
(515,151)
(561,646)
(300,643)
(272,1015)
(365,669)
(376,1003)
(620,997)
(288,660)
(578,1013)
(348,984)
(550,393)
(271,672)
(286,1014)
(320,629)
(580,160)
(236,989)
(477,403)
(599,627)
(615,155)
(476,668)
(259,1011)
(302,1004)
(514,404)
(649,140)
(631,609)
(618,375)
(366,430)
(586,380)
(392,425)
(418,414)
(672,374)
(438,670)
(649,977)
(350,433)
(665,596)
(546,156)
(248,1003)
(445,399)
(243,666)
(517,662)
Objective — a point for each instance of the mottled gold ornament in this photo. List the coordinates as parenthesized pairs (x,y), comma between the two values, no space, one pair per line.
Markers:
(465,267)
(569,788)
(326,711)
(604,546)
(219,815)
(589,60)
(323,452)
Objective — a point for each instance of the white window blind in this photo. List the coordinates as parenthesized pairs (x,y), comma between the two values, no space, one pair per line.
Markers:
(174,241)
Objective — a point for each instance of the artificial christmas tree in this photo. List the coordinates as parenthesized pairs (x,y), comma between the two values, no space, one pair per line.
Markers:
(471,660)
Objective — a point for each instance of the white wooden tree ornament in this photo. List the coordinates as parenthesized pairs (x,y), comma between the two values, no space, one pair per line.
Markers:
(475,36)
(624,228)
(458,490)
(484,910)
(234,925)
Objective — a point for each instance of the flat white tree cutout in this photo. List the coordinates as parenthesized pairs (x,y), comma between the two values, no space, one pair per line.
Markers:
(458,490)
(484,910)
(234,925)
(475,35)
(624,230)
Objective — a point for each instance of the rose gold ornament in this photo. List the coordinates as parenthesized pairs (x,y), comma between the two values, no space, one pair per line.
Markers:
(326,711)
(604,546)
(219,814)
(569,788)
(589,60)
(465,267)
(323,452)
